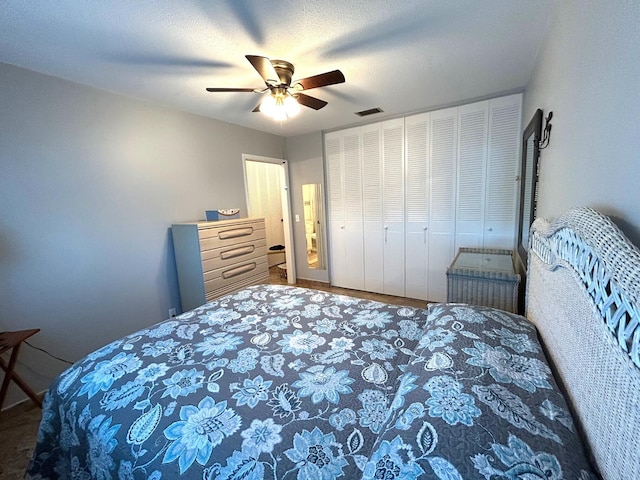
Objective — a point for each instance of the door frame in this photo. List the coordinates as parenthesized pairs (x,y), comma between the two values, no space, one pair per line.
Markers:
(286,207)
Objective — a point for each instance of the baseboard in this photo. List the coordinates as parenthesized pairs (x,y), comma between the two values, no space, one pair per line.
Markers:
(25,399)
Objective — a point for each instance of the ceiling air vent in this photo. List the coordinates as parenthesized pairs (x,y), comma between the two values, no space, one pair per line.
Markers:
(371,111)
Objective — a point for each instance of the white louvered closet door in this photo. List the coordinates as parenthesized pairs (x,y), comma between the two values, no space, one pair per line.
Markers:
(344,188)
(471,174)
(354,261)
(502,171)
(393,206)
(372,208)
(335,198)
(443,154)
(417,206)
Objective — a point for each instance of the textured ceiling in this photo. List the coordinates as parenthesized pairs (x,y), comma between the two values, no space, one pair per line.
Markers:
(400,55)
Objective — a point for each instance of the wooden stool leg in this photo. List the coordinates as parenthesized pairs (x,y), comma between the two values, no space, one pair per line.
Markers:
(11,375)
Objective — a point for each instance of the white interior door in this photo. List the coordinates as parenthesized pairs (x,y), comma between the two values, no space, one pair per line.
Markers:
(264,190)
(267,192)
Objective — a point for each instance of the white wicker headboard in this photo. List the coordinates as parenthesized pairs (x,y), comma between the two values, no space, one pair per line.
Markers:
(583,294)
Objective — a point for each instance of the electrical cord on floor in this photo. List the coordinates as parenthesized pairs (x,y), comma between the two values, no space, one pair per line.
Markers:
(51,355)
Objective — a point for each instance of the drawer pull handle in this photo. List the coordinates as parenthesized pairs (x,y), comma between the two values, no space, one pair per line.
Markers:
(237,252)
(235,233)
(234,272)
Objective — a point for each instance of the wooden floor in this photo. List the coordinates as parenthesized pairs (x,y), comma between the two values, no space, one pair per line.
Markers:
(18,430)
(275,278)
(19,424)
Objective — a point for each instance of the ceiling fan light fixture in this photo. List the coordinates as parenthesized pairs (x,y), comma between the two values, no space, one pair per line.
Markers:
(279,114)
(291,106)
(280,106)
(268,106)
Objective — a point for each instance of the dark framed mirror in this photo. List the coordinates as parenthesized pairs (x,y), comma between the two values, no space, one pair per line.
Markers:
(529,182)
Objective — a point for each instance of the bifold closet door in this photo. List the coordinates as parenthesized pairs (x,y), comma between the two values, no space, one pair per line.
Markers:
(473,122)
(393,206)
(372,207)
(431,140)
(503,165)
(443,130)
(383,206)
(344,188)
(417,206)
(488,160)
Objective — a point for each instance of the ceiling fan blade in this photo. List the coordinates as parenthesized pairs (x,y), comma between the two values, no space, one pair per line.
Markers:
(321,80)
(264,67)
(211,89)
(309,101)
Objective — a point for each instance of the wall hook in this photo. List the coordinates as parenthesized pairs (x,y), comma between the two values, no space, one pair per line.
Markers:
(546,133)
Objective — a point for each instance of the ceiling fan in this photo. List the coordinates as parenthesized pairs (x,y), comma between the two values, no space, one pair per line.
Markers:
(285,97)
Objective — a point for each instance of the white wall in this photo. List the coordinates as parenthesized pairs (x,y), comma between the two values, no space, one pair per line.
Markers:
(90,183)
(588,74)
(306,165)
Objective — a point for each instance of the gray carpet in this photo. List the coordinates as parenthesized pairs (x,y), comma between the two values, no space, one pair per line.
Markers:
(18,431)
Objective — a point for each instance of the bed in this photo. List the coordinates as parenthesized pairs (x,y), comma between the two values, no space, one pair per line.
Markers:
(282,382)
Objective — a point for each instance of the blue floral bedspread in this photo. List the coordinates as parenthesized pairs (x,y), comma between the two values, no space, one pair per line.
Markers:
(280,382)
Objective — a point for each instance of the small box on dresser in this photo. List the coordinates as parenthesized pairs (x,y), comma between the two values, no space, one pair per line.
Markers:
(217,258)
(482,276)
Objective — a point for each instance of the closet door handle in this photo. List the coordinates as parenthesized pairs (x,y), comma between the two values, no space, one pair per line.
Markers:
(424,233)
(386,230)
(490,229)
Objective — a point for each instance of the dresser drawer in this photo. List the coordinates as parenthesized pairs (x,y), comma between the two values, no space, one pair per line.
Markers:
(231,254)
(216,236)
(236,273)
(262,277)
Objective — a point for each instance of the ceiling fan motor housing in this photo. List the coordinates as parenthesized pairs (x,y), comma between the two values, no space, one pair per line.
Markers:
(284,70)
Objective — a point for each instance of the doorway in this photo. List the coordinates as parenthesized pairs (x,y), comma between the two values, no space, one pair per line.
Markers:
(267,191)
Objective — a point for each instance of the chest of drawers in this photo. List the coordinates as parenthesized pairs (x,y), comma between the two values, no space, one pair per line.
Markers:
(216,258)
